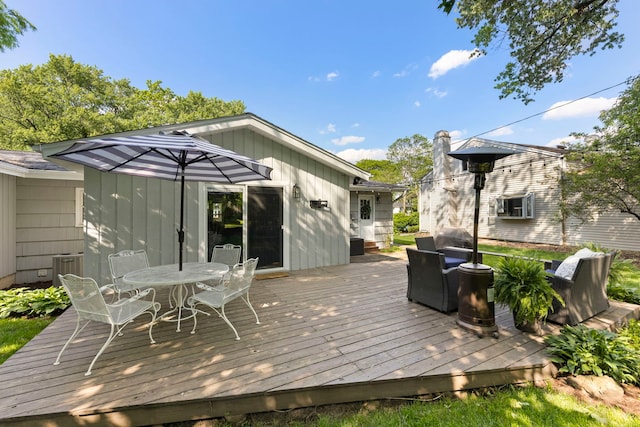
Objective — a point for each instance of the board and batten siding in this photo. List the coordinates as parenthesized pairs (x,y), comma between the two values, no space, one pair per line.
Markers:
(7,230)
(45,226)
(124,212)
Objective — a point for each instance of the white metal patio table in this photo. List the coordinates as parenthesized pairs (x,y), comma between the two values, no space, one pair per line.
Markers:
(170,275)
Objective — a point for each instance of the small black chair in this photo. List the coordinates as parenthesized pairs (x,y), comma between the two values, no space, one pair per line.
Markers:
(429,282)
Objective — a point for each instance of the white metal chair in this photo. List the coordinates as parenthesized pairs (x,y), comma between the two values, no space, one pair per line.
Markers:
(122,263)
(90,305)
(228,254)
(234,284)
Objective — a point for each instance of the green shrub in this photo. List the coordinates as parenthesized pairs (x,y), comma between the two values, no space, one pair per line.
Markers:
(18,302)
(402,221)
(622,293)
(579,350)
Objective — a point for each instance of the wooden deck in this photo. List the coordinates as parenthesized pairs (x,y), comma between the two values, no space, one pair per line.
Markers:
(328,335)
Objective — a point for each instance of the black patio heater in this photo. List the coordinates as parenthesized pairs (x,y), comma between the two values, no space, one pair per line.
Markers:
(476,306)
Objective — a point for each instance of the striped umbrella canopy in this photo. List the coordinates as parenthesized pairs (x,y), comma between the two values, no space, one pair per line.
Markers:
(173,156)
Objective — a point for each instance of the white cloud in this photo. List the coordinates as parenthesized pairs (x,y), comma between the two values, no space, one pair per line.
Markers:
(332,76)
(355,125)
(376,74)
(436,92)
(417,104)
(407,70)
(345,140)
(561,141)
(501,131)
(588,107)
(456,134)
(352,155)
(331,128)
(452,59)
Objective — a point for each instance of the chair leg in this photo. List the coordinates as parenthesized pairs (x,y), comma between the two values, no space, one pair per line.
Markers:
(226,319)
(112,334)
(73,335)
(248,302)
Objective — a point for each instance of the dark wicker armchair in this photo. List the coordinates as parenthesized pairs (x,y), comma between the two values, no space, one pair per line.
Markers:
(453,256)
(585,294)
(429,282)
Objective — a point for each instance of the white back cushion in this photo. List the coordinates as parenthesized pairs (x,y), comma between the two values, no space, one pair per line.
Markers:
(568,266)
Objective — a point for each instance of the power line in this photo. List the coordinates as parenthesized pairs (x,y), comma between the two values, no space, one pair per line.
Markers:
(552,108)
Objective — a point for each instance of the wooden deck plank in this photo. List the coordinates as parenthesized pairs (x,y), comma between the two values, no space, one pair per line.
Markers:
(327,335)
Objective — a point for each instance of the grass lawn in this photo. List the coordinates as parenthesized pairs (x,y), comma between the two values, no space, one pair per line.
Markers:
(14,333)
(511,406)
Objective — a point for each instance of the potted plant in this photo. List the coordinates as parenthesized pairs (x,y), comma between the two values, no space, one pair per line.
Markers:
(521,284)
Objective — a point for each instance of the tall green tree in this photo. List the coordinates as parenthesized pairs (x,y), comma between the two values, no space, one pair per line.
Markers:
(413,155)
(12,25)
(62,100)
(603,169)
(542,35)
(381,170)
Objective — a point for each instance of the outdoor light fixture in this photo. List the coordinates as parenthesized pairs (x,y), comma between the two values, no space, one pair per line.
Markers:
(296,191)
(318,204)
(476,307)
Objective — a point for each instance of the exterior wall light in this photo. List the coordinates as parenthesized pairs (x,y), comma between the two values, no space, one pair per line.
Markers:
(296,191)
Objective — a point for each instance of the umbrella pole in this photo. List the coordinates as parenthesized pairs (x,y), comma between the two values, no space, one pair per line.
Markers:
(181,230)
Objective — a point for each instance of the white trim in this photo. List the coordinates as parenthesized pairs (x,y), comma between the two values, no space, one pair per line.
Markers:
(20,172)
(79,206)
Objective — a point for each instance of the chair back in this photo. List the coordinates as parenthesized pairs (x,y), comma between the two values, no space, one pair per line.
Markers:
(426,243)
(126,261)
(228,254)
(241,275)
(86,298)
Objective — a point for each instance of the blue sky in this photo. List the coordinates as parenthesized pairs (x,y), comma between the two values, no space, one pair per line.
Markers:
(348,76)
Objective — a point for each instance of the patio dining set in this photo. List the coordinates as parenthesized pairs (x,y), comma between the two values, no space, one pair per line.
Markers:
(212,285)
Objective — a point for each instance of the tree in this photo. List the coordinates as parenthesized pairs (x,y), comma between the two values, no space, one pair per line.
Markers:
(543,35)
(603,173)
(12,25)
(414,159)
(381,170)
(63,100)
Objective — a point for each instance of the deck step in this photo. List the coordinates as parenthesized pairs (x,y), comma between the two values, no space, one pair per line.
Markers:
(371,247)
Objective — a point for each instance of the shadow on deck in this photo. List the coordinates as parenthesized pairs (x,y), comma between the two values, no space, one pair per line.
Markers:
(328,335)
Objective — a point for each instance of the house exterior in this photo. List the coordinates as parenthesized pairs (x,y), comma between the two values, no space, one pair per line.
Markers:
(39,216)
(302,218)
(371,211)
(520,200)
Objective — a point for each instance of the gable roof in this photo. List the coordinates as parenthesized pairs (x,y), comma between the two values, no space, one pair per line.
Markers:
(223,124)
(29,164)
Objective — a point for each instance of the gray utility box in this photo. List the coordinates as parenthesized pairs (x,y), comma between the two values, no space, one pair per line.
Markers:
(65,264)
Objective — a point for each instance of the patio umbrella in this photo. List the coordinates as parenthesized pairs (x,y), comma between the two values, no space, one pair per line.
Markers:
(173,156)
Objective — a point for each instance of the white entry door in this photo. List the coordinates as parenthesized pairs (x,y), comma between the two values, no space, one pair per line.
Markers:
(366,217)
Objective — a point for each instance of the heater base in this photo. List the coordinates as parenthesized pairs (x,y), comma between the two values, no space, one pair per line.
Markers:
(476,307)
(480,330)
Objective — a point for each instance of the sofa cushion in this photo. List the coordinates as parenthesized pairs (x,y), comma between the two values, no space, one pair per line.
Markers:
(569,265)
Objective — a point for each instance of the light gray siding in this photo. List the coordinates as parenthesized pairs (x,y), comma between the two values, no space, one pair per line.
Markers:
(124,212)
(7,230)
(45,226)
(613,230)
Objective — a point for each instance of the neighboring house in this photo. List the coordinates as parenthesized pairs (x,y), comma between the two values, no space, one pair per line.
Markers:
(371,211)
(520,200)
(40,216)
(302,218)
